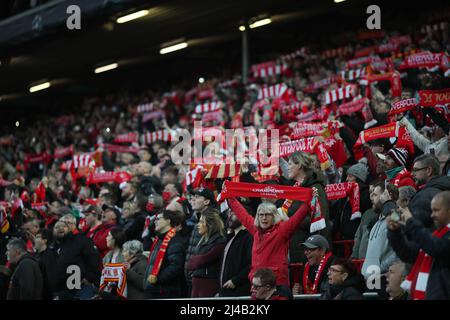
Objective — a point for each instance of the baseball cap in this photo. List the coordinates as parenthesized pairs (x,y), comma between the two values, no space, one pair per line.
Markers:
(207,194)
(116,210)
(93,209)
(316,241)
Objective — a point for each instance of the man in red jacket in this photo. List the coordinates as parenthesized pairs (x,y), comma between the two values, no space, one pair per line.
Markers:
(110,216)
(396,172)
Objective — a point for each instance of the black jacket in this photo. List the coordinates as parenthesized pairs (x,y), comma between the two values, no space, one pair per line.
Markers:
(407,248)
(420,203)
(76,250)
(170,275)
(351,289)
(342,222)
(296,253)
(193,241)
(209,263)
(47,261)
(133,227)
(235,266)
(26,281)
(135,278)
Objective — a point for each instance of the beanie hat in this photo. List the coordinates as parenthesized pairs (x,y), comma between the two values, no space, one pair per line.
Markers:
(359,170)
(399,155)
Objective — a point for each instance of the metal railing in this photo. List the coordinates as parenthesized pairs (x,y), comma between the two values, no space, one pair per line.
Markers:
(366,295)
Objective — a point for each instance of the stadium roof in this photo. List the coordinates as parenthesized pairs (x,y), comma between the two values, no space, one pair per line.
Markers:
(68,58)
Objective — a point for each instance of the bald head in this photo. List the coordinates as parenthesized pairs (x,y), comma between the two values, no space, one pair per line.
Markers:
(440,209)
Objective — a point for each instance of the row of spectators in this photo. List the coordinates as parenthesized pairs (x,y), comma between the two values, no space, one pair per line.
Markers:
(94,205)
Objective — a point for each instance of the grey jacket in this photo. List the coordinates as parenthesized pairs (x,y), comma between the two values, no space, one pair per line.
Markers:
(379,252)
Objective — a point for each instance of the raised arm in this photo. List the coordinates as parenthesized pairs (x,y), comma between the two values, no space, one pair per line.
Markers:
(288,227)
(242,214)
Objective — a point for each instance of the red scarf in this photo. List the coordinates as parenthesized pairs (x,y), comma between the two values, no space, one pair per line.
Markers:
(127,138)
(118,148)
(393,77)
(342,190)
(108,176)
(424,59)
(309,145)
(431,98)
(351,107)
(417,280)
(242,189)
(402,106)
(63,152)
(389,130)
(313,287)
(162,251)
(160,135)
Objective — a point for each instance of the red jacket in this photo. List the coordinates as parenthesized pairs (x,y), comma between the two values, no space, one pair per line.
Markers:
(403,178)
(99,238)
(270,247)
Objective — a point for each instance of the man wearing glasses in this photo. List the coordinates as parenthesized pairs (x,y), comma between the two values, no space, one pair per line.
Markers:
(426,173)
(264,286)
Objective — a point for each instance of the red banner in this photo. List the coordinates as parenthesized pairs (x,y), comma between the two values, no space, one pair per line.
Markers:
(63,152)
(431,98)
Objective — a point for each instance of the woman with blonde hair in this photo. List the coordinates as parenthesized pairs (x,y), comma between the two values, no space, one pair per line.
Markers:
(303,171)
(205,262)
(271,237)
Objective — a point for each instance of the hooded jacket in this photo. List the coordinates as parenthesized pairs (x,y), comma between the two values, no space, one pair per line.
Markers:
(270,246)
(379,252)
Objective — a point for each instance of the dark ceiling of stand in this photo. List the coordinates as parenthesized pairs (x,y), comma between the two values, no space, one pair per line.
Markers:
(210,27)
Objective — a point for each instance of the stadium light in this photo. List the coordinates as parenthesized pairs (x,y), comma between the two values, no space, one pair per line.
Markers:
(260,23)
(337,1)
(201,80)
(40,87)
(132,16)
(175,47)
(17,124)
(242,28)
(106,68)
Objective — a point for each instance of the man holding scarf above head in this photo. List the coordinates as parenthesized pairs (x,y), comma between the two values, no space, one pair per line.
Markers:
(396,172)
(429,252)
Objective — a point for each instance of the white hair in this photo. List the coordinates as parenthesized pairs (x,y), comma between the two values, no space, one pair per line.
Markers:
(267,207)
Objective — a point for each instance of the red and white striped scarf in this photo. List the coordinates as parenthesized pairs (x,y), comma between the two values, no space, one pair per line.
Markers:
(267,69)
(272,91)
(146,107)
(114,273)
(208,107)
(129,137)
(416,281)
(345,92)
(360,61)
(352,74)
(82,161)
(225,170)
(160,135)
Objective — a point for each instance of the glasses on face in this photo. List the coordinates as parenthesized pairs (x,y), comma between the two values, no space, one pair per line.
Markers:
(418,169)
(334,270)
(257,286)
